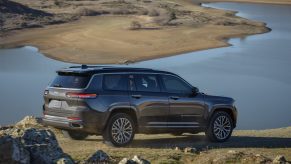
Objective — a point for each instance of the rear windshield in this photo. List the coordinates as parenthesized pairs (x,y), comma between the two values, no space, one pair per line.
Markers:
(71,81)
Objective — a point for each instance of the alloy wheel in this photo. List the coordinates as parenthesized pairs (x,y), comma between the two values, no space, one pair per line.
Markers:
(222,127)
(121,130)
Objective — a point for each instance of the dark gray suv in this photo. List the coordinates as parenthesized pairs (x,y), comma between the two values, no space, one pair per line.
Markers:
(119,102)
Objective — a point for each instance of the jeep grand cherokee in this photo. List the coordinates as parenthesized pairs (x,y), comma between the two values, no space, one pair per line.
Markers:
(118,102)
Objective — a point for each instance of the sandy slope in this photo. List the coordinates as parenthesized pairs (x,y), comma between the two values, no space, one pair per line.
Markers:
(107,39)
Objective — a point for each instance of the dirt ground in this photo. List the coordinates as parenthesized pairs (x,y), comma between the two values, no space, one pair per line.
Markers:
(160,148)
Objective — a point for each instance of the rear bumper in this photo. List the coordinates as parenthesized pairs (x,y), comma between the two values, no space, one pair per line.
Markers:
(79,118)
(62,122)
(68,124)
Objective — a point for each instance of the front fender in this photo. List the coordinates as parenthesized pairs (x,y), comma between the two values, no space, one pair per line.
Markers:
(224,107)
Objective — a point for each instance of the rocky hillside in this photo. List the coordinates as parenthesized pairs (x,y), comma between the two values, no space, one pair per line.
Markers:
(18,14)
(15,15)
(30,142)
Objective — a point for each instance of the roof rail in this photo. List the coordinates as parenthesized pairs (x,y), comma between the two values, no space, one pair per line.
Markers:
(126,68)
(84,66)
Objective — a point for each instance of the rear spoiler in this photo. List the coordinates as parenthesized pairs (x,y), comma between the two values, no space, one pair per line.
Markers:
(73,73)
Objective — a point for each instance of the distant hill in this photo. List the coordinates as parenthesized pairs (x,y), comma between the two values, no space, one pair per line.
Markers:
(10,7)
(14,15)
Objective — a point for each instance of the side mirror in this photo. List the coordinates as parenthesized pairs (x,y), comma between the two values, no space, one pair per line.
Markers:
(195,91)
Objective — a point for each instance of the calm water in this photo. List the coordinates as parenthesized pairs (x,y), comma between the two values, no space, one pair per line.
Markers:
(24,73)
(256,71)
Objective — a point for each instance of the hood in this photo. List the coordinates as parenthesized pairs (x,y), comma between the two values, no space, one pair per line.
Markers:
(218,99)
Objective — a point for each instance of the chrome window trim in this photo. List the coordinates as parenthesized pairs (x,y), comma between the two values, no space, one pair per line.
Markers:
(96,74)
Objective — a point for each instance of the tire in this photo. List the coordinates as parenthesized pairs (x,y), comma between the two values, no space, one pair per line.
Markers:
(177,133)
(220,127)
(113,134)
(74,135)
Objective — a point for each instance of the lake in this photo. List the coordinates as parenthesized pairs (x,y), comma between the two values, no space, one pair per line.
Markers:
(255,71)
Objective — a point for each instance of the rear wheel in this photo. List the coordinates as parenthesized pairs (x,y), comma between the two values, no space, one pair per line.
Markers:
(75,135)
(120,130)
(220,127)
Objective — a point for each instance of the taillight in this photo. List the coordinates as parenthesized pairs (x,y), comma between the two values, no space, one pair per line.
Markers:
(81,95)
(74,118)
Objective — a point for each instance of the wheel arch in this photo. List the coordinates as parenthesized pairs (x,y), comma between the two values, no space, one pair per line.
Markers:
(228,109)
(123,109)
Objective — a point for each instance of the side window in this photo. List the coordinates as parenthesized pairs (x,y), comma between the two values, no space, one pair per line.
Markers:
(96,82)
(147,83)
(115,82)
(175,85)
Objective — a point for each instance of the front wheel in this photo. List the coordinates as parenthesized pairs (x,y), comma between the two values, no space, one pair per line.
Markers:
(120,130)
(220,127)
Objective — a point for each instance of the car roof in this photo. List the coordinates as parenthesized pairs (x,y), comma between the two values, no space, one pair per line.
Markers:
(90,70)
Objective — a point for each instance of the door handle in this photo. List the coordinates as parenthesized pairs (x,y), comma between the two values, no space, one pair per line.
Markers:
(174,97)
(136,96)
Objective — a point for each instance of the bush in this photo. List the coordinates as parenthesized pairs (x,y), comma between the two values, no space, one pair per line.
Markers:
(154,13)
(172,15)
(143,12)
(88,12)
(121,11)
(135,25)
(57,3)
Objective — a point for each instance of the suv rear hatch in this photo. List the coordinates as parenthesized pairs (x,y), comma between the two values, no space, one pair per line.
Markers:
(64,97)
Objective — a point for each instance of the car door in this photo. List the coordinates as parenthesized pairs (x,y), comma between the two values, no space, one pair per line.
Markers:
(186,108)
(147,98)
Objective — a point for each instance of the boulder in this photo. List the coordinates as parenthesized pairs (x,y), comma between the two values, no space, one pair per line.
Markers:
(12,151)
(190,150)
(134,160)
(29,142)
(28,122)
(258,158)
(65,160)
(241,157)
(177,148)
(280,159)
(232,152)
(98,157)
(126,161)
(43,146)
(14,132)
(139,160)
(18,129)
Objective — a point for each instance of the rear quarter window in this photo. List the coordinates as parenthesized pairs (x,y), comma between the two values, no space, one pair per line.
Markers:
(115,82)
(71,81)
